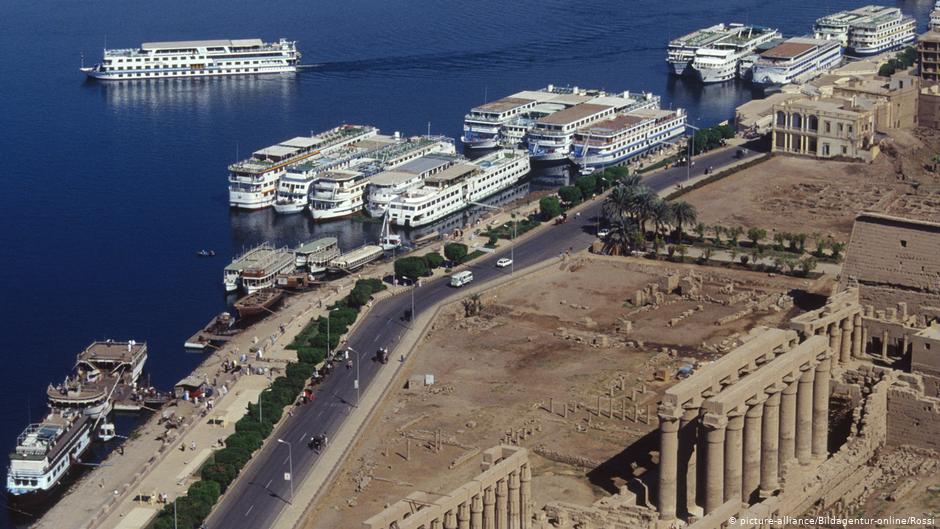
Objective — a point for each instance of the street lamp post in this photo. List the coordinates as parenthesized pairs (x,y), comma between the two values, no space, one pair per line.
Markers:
(688,164)
(290,469)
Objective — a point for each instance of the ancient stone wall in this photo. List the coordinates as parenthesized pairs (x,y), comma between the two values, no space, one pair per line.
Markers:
(894,260)
(913,416)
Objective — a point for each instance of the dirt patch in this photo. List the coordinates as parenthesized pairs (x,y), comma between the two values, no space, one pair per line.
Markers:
(568,337)
(804,195)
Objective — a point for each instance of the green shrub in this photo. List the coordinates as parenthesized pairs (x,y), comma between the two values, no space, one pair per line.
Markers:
(570,194)
(411,267)
(456,252)
(434,259)
(224,475)
(549,207)
(587,184)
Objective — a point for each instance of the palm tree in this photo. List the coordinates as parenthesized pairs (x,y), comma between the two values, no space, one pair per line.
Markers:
(700,230)
(621,237)
(642,206)
(683,214)
(617,202)
(662,216)
(734,234)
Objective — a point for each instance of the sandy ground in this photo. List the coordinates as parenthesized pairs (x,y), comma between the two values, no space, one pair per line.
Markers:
(794,194)
(559,336)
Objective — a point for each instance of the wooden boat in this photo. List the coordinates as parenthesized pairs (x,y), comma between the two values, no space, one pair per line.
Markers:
(258,303)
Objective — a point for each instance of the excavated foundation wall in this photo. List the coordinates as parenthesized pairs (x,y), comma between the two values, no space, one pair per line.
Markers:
(913,416)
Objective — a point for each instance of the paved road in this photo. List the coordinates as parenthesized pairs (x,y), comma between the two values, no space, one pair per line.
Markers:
(261,492)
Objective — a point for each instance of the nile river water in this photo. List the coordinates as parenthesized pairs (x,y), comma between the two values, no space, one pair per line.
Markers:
(112,188)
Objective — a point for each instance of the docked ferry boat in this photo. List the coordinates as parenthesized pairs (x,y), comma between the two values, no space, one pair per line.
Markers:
(505,122)
(253,182)
(293,188)
(44,454)
(387,185)
(457,187)
(868,30)
(99,369)
(551,138)
(681,51)
(339,193)
(196,58)
(315,255)
(356,259)
(796,59)
(625,136)
(256,269)
(721,60)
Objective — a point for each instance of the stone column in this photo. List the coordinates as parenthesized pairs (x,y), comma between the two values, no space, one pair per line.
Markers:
(751,457)
(804,415)
(788,421)
(513,511)
(884,345)
(734,455)
(463,516)
(525,496)
(857,336)
(687,475)
(714,461)
(668,465)
(502,518)
(450,520)
(848,334)
(821,409)
(835,342)
(476,512)
(770,442)
(437,523)
(489,508)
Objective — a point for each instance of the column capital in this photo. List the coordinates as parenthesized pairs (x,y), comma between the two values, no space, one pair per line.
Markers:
(715,422)
(789,380)
(774,389)
(668,419)
(755,402)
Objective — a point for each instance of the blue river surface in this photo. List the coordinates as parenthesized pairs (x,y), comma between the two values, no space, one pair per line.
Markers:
(111,188)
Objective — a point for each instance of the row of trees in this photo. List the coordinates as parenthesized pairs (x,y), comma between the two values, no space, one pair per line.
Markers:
(415,266)
(258,423)
(782,241)
(902,61)
(632,208)
(584,187)
(711,138)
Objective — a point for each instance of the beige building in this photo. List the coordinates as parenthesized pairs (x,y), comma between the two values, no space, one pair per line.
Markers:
(928,107)
(928,56)
(895,98)
(825,128)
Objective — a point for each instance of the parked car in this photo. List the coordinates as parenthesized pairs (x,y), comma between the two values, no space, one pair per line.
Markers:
(504,262)
(603,233)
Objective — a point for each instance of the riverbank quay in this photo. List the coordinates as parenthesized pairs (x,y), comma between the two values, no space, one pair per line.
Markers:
(119,494)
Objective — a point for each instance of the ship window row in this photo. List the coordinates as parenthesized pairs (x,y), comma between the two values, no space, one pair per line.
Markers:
(203,72)
(176,66)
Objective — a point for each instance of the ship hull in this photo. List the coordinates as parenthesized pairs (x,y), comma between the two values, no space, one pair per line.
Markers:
(99,75)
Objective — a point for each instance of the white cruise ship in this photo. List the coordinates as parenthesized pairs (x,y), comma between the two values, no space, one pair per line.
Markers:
(44,454)
(505,122)
(253,182)
(624,136)
(868,30)
(550,139)
(340,192)
(796,59)
(457,187)
(196,58)
(293,188)
(387,185)
(721,60)
(681,51)
(257,268)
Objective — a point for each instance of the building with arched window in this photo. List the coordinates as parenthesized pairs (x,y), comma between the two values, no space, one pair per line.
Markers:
(825,128)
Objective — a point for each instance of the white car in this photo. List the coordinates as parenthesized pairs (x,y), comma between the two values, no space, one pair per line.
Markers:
(603,233)
(504,262)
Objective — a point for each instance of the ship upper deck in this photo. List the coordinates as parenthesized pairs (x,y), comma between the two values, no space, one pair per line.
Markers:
(261,257)
(573,114)
(317,245)
(113,352)
(452,174)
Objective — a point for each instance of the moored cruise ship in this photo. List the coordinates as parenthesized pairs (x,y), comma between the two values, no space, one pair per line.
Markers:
(721,60)
(505,122)
(293,188)
(44,454)
(550,139)
(624,136)
(257,268)
(340,192)
(253,182)
(196,58)
(868,30)
(796,59)
(457,187)
(681,51)
(387,185)
(99,368)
